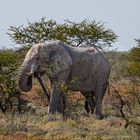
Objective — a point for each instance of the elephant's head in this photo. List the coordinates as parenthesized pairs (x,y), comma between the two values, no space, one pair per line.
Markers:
(42,55)
(27,69)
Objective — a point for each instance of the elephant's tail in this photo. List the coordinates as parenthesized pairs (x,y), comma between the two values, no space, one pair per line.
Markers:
(108,89)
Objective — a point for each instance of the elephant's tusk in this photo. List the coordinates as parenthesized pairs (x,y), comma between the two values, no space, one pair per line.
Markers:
(31,71)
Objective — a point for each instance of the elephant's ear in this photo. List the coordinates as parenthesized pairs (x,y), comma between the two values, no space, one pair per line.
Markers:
(60,59)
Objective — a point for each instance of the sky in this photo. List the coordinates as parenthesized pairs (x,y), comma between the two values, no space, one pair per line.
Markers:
(122,16)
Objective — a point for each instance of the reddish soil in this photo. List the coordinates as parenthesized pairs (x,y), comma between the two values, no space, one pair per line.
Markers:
(34,97)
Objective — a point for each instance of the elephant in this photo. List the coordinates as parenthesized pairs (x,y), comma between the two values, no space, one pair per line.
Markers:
(81,69)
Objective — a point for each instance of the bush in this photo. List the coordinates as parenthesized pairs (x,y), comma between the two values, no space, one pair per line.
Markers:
(9,93)
(134,62)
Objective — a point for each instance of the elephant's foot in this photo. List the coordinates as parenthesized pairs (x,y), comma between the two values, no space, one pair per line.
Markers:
(99,116)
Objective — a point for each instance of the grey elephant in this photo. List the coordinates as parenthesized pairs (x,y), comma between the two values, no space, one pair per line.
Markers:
(81,69)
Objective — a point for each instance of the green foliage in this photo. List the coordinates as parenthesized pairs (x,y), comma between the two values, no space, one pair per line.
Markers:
(75,34)
(134,61)
(9,62)
(8,65)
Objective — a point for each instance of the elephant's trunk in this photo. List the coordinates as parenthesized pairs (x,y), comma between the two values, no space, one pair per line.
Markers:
(24,79)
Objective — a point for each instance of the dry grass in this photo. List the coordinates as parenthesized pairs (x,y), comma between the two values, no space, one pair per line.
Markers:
(38,126)
(29,126)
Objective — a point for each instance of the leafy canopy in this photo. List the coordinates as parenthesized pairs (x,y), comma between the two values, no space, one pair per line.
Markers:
(74,34)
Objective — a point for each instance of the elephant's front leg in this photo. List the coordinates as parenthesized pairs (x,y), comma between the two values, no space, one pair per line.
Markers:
(57,101)
(58,97)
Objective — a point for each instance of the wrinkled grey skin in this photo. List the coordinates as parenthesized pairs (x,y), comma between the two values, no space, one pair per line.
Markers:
(82,69)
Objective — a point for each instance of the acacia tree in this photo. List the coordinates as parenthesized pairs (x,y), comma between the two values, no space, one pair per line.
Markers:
(72,33)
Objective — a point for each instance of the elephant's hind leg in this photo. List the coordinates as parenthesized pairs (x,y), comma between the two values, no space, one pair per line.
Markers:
(89,102)
(86,106)
(99,94)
